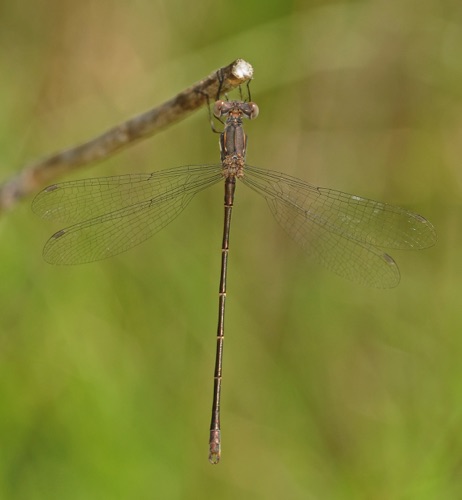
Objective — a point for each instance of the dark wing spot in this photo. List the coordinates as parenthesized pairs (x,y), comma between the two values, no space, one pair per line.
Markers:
(59,234)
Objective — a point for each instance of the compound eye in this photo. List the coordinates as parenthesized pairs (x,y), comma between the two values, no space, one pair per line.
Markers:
(218,108)
(253,110)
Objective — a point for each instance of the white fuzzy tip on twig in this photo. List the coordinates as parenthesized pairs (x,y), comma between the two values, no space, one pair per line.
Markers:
(242,70)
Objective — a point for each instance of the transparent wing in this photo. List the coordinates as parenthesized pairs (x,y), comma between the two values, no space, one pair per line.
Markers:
(342,231)
(122,211)
(83,199)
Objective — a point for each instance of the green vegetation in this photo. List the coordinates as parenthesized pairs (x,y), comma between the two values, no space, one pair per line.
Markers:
(331,391)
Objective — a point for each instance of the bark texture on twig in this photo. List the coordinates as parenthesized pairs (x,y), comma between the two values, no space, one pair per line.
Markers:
(40,173)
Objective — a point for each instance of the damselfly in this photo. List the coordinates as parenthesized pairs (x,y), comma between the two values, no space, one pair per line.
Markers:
(344,232)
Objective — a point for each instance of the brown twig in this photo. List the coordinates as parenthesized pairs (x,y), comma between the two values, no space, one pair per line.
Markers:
(40,173)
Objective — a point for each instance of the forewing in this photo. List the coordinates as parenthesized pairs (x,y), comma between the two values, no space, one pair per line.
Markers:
(76,201)
(353,217)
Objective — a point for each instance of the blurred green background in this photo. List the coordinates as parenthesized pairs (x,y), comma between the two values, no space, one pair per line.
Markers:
(331,390)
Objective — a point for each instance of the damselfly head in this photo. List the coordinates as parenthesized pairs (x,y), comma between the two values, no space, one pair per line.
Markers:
(235,108)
